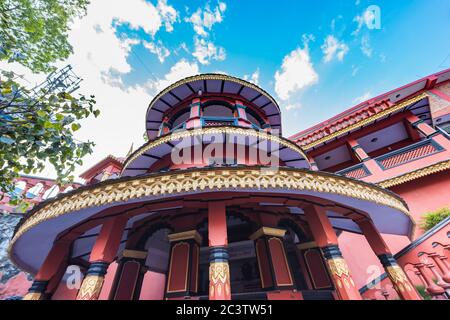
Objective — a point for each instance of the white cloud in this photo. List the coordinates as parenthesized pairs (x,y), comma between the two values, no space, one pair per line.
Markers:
(333,48)
(178,71)
(293,106)
(159,49)
(254,77)
(365,46)
(168,14)
(204,20)
(206,51)
(100,58)
(366,96)
(296,73)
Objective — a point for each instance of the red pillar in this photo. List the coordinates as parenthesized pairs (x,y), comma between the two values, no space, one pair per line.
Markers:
(401,283)
(102,254)
(427,130)
(326,238)
(362,156)
(219,270)
(51,268)
(194,120)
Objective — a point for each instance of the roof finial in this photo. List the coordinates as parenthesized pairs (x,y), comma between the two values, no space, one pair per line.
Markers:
(131,150)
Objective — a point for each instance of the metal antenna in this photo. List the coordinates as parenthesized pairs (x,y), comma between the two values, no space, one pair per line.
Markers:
(63,80)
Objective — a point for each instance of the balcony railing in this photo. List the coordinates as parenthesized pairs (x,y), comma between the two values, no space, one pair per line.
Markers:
(407,154)
(358,171)
(215,121)
(218,121)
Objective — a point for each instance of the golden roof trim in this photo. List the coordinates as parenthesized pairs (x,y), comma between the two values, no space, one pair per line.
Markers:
(173,182)
(363,122)
(420,173)
(212,130)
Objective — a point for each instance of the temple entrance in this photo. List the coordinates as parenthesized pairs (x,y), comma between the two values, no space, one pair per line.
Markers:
(244,272)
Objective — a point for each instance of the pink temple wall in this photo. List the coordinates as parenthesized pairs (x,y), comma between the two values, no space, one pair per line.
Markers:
(153,286)
(109,280)
(16,286)
(432,194)
(428,197)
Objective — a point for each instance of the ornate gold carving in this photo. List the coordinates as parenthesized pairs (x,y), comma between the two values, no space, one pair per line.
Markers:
(186,235)
(33,296)
(338,267)
(435,168)
(219,279)
(398,278)
(182,134)
(170,183)
(90,288)
(366,121)
(267,231)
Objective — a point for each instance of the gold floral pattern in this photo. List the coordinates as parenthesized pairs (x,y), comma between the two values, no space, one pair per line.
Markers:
(365,121)
(182,134)
(219,279)
(91,288)
(398,278)
(33,296)
(435,168)
(338,267)
(170,183)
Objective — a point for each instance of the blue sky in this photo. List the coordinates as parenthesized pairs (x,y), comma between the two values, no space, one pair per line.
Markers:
(414,41)
(317,58)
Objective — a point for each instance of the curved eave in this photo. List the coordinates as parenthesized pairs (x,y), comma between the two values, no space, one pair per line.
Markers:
(35,235)
(418,105)
(416,174)
(143,158)
(210,84)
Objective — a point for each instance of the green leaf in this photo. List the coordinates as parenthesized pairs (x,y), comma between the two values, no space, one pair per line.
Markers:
(75,126)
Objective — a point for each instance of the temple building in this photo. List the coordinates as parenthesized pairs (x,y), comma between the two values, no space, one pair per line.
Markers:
(219,205)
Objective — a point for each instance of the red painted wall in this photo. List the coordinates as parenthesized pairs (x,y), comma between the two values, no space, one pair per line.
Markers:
(153,286)
(426,194)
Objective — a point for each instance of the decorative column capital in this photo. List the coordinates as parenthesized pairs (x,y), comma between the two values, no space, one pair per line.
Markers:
(186,235)
(337,266)
(387,260)
(268,231)
(332,252)
(93,282)
(37,290)
(219,274)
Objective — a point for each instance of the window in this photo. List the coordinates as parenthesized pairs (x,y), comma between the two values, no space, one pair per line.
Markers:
(50,193)
(34,191)
(180,119)
(218,110)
